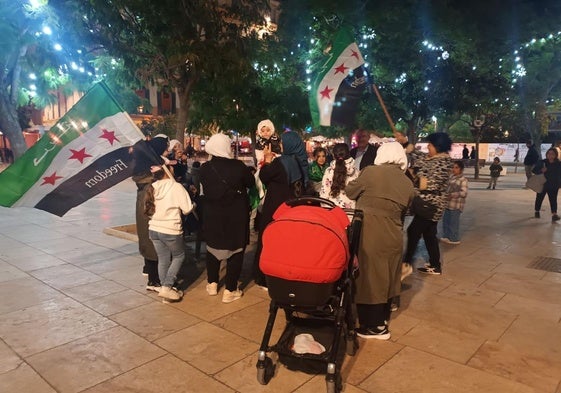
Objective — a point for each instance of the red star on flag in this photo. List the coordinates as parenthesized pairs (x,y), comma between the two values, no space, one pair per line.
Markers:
(79,155)
(326,92)
(354,54)
(51,179)
(341,69)
(109,135)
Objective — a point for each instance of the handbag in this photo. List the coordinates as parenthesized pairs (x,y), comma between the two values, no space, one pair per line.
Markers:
(536,182)
(422,208)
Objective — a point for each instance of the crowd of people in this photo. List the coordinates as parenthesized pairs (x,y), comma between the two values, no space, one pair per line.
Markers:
(382,181)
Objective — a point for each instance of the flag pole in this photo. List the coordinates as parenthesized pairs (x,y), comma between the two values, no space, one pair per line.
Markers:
(383,105)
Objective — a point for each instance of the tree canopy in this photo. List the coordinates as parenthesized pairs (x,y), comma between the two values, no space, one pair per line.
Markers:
(450,59)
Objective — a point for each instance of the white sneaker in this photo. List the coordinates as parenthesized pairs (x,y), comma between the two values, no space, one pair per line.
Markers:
(406,270)
(170,294)
(445,240)
(230,296)
(212,288)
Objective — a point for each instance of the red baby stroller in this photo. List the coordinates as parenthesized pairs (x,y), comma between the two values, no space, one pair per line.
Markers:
(307,258)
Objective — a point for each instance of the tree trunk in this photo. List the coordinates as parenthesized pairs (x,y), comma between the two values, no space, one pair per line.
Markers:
(9,125)
(476,164)
(184,93)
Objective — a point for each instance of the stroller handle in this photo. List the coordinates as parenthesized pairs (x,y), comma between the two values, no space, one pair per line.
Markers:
(310,201)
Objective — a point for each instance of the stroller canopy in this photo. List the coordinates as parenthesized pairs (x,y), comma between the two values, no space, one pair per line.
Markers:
(306,243)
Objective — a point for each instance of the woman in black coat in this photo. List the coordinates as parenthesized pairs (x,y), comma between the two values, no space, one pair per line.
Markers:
(551,168)
(226,211)
(279,177)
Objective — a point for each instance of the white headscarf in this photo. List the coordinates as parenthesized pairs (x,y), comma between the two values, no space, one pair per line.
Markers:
(391,153)
(265,123)
(172,143)
(219,145)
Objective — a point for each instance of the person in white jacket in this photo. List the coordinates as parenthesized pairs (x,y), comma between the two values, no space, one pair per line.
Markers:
(166,199)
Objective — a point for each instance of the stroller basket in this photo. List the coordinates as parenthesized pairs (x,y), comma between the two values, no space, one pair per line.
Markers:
(308,261)
(298,293)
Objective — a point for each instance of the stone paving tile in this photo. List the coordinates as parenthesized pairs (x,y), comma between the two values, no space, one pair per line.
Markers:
(166,374)
(9,272)
(483,305)
(94,359)
(9,360)
(505,360)
(199,345)
(24,379)
(49,324)
(154,320)
(442,341)
(251,322)
(93,290)
(25,292)
(530,308)
(35,262)
(473,294)
(242,377)
(118,302)
(529,287)
(462,316)
(415,371)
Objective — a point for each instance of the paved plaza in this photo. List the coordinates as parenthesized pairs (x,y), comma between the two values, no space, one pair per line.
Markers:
(75,315)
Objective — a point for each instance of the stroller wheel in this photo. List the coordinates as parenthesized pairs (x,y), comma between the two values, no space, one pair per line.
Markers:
(265,371)
(334,383)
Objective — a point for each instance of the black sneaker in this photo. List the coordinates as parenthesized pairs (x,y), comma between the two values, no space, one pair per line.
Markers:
(153,286)
(537,215)
(379,333)
(430,270)
(555,217)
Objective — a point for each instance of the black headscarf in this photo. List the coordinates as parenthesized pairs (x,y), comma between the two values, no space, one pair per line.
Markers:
(294,157)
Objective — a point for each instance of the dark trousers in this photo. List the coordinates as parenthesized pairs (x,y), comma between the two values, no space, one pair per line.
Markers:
(233,269)
(151,268)
(552,195)
(373,315)
(427,229)
(258,275)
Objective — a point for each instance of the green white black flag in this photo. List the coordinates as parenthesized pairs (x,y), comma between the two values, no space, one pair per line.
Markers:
(337,89)
(83,154)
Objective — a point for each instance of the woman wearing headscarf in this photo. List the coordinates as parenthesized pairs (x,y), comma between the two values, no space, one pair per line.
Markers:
(383,192)
(224,182)
(280,176)
(431,175)
(147,153)
(340,172)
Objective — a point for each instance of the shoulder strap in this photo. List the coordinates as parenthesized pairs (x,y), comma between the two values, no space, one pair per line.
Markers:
(223,180)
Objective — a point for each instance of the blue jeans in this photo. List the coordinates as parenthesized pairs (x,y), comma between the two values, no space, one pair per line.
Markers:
(451,225)
(171,253)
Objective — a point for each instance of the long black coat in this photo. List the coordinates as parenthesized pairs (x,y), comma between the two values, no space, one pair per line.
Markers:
(275,179)
(226,203)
